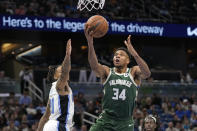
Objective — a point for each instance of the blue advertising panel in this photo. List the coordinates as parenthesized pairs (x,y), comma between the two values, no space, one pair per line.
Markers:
(115,26)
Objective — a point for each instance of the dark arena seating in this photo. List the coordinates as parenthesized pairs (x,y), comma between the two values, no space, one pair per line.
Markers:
(177,11)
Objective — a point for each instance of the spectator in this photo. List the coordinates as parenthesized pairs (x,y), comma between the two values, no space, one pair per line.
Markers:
(10,127)
(81,99)
(171,127)
(179,126)
(34,126)
(182,78)
(20,10)
(192,98)
(78,113)
(37,116)
(148,103)
(84,128)
(156,100)
(11,95)
(90,109)
(60,13)
(193,119)
(185,104)
(31,110)
(25,75)
(41,107)
(186,124)
(179,112)
(98,99)
(194,106)
(140,127)
(2,74)
(25,99)
(188,78)
(184,96)
(24,126)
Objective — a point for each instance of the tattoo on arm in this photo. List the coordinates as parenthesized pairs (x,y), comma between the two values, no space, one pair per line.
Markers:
(145,72)
(64,77)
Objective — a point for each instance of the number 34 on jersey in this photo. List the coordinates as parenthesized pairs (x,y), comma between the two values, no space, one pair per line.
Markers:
(119,95)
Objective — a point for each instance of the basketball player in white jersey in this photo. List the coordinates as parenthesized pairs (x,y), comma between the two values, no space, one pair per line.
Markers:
(60,107)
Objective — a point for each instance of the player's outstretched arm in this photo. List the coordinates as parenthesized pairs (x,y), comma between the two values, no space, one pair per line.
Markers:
(100,70)
(44,118)
(62,82)
(142,69)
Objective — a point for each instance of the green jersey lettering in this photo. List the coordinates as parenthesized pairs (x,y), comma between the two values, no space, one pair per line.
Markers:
(120,92)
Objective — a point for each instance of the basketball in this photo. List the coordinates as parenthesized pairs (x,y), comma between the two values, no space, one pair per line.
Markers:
(99,25)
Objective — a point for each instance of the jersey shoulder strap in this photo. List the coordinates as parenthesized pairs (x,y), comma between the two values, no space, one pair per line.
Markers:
(110,72)
(131,77)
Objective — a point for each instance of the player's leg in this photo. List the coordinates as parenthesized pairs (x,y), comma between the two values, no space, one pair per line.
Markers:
(103,124)
(51,125)
(98,126)
(125,126)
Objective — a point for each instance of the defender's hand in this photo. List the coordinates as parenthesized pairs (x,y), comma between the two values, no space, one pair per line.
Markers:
(68,47)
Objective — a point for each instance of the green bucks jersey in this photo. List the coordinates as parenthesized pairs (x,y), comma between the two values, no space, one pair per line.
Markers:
(120,92)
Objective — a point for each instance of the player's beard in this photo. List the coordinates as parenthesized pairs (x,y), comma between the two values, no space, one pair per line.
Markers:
(119,67)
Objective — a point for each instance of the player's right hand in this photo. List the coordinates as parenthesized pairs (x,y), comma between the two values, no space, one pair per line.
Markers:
(88,33)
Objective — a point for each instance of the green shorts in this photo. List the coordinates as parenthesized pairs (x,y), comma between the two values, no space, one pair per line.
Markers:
(104,123)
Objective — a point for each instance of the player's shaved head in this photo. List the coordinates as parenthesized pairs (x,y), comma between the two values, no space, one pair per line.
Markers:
(125,50)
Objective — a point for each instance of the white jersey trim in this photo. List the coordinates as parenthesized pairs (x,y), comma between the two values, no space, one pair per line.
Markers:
(70,109)
(120,73)
(107,77)
(57,107)
(59,104)
(131,77)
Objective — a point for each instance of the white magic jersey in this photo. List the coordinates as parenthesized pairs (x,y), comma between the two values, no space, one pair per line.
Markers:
(61,107)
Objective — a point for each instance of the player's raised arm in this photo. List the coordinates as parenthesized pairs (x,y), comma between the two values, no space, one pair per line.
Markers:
(44,118)
(62,83)
(142,69)
(100,70)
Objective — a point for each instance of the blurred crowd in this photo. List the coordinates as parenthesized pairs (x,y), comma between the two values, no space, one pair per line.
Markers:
(178,11)
(177,114)
(172,114)
(20,113)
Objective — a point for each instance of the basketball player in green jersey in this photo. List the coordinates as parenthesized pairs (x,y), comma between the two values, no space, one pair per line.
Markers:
(120,86)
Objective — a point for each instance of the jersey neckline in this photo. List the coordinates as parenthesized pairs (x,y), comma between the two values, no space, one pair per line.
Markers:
(128,71)
(120,73)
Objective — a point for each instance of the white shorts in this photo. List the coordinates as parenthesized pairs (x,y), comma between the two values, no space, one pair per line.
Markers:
(53,125)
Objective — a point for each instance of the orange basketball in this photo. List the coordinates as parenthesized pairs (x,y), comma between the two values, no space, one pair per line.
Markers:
(99,25)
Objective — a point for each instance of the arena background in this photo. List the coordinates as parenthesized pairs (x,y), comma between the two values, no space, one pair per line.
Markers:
(169,94)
